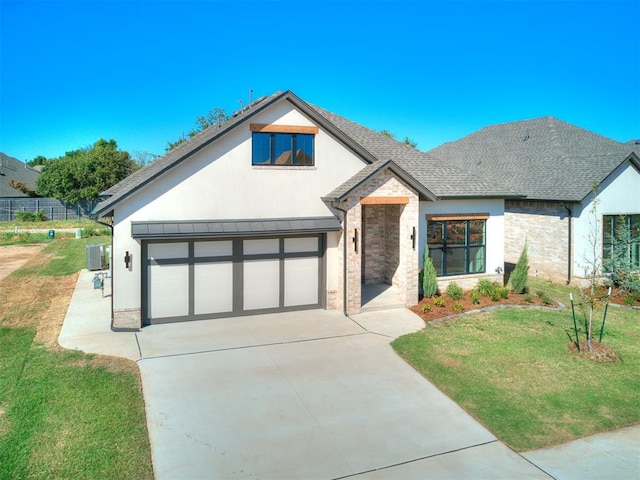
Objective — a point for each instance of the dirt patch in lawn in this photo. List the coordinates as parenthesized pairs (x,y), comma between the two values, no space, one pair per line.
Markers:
(599,353)
(13,257)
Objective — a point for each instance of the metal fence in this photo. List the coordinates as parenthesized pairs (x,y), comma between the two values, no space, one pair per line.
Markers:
(53,208)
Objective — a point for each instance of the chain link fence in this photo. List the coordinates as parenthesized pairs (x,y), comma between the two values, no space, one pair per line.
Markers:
(53,208)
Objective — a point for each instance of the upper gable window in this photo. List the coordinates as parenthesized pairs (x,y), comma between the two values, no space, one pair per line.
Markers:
(280,145)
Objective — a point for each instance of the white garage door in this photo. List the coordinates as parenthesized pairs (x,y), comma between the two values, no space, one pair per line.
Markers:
(199,279)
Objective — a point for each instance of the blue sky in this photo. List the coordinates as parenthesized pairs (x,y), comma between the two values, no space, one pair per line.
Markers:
(140,72)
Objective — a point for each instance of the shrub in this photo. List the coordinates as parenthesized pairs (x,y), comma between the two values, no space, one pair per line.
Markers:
(520,276)
(438,301)
(429,275)
(504,293)
(475,296)
(88,232)
(454,291)
(25,217)
(426,308)
(629,300)
(544,298)
(457,306)
(528,298)
(485,287)
(41,216)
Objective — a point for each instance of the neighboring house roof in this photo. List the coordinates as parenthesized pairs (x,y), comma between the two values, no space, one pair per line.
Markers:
(13,170)
(442,181)
(544,158)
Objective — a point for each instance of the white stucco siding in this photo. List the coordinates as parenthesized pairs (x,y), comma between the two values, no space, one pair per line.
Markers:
(494,227)
(619,194)
(219,182)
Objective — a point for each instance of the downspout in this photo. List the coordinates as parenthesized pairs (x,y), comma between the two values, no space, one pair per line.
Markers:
(344,260)
(569,260)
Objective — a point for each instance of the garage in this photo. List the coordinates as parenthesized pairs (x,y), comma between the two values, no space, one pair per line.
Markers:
(186,278)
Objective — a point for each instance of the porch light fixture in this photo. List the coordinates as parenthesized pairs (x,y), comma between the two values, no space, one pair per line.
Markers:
(413,238)
(127,260)
(355,240)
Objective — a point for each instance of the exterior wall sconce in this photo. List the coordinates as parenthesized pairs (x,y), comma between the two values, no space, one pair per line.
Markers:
(498,270)
(355,240)
(413,238)
(127,260)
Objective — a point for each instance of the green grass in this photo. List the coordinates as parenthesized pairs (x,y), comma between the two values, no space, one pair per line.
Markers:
(512,370)
(63,414)
(67,256)
(51,224)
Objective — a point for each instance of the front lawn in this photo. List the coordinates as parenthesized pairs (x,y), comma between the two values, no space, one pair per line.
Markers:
(512,370)
(63,414)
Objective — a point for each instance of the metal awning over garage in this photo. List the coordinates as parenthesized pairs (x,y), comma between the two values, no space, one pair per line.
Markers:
(234,228)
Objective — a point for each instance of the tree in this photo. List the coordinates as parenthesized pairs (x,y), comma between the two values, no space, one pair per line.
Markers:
(21,186)
(81,175)
(406,141)
(520,276)
(429,275)
(212,117)
(593,265)
(409,141)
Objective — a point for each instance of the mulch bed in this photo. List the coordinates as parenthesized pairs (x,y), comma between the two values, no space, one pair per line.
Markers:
(448,309)
(599,353)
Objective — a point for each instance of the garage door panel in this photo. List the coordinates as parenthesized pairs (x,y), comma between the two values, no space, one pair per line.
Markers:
(300,281)
(213,288)
(261,284)
(208,278)
(169,291)
(161,251)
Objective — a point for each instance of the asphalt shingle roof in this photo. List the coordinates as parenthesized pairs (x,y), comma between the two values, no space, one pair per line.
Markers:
(544,158)
(439,179)
(12,169)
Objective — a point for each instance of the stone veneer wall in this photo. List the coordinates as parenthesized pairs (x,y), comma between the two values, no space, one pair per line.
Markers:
(127,319)
(402,217)
(544,226)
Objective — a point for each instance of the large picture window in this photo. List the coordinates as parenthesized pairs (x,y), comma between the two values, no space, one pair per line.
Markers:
(269,148)
(621,239)
(457,245)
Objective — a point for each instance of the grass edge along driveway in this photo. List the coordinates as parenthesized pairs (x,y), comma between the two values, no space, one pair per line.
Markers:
(63,414)
(511,369)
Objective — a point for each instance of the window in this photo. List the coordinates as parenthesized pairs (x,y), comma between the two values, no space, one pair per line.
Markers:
(270,148)
(621,237)
(457,245)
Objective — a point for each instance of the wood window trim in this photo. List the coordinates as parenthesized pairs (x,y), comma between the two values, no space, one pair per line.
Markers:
(265,128)
(461,216)
(384,201)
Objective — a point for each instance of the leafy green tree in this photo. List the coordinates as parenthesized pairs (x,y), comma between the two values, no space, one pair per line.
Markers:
(520,276)
(81,175)
(213,117)
(429,275)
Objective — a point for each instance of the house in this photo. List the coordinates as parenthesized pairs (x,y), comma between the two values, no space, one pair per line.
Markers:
(554,165)
(288,206)
(17,179)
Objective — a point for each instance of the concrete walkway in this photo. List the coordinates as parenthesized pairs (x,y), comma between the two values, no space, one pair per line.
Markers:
(308,395)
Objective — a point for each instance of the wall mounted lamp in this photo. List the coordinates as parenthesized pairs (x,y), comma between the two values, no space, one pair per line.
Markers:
(127,260)
(355,240)
(413,238)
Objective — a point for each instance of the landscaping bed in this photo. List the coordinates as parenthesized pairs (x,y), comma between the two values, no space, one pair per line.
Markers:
(444,305)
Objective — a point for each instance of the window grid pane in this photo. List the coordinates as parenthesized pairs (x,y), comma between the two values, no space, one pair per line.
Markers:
(457,247)
(282,149)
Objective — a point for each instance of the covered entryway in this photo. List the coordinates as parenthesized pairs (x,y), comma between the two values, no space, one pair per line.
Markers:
(223,276)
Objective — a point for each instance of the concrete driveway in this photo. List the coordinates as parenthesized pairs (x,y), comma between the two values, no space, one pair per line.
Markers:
(305,395)
(300,395)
